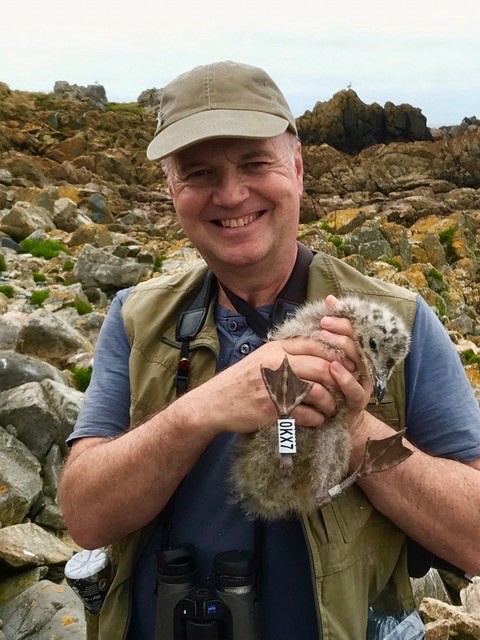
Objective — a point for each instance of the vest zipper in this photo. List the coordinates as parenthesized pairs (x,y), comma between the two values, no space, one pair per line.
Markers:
(314,586)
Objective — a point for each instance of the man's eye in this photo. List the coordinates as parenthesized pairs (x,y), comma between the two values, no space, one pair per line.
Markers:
(199,173)
(258,165)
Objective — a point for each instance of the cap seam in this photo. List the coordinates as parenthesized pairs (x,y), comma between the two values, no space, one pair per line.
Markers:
(209,87)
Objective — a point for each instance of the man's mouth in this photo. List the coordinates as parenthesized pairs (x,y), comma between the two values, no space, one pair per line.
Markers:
(233,223)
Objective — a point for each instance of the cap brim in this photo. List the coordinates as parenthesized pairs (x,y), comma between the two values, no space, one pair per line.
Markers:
(217,123)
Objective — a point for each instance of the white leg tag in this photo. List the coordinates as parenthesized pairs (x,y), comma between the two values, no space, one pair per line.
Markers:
(286,435)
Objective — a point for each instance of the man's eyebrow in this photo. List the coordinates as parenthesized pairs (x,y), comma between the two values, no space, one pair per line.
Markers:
(256,153)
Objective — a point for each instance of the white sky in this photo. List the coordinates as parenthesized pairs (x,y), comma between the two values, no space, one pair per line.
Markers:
(424,52)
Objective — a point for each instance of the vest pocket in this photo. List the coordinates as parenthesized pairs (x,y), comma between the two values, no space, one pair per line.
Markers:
(385,411)
(351,511)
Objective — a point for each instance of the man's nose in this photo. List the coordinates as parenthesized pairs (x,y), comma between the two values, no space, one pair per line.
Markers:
(230,190)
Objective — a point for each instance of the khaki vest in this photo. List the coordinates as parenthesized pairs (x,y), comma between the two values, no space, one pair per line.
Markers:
(358,557)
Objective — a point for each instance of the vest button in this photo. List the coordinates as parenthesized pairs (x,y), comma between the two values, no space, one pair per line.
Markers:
(244,348)
(232,325)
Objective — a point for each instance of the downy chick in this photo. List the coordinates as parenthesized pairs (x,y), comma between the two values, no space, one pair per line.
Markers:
(264,486)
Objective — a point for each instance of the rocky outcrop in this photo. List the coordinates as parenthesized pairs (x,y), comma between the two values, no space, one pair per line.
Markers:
(348,124)
(83,213)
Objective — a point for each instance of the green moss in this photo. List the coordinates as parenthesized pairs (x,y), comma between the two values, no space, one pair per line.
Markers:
(446,238)
(470,357)
(38,277)
(82,377)
(7,290)
(393,263)
(37,298)
(68,265)
(83,307)
(128,107)
(47,249)
(3,263)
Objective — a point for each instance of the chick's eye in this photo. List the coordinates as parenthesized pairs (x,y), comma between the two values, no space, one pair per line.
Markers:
(373,344)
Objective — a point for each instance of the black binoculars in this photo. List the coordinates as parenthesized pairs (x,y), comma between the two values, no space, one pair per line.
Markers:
(188,612)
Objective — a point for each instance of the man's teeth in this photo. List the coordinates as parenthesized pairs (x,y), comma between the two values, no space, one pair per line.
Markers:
(239,222)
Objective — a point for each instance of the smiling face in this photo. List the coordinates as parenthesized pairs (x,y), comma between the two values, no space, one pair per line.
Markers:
(238,201)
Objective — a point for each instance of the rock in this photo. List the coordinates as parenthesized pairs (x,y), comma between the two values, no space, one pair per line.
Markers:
(181,260)
(65,215)
(28,545)
(24,169)
(438,630)
(25,218)
(44,335)
(45,611)
(6,177)
(348,124)
(95,234)
(17,369)
(462,625)
(43,413)
(95,92)
(98,268)
(429,586)
(10,325)
(12,587)
(470,597)
(20,481)
(150,99)
(345,220)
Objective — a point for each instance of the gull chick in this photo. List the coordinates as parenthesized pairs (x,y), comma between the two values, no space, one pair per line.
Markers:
(270,485)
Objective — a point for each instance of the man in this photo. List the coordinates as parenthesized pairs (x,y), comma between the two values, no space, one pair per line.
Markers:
(227,140)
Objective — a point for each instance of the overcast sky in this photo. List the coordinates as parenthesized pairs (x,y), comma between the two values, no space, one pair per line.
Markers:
(424,52)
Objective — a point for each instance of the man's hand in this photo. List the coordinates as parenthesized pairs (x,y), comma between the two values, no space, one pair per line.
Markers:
(237,400)
(357,387)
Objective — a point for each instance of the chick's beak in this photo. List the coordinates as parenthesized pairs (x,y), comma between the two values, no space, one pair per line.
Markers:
(379,387)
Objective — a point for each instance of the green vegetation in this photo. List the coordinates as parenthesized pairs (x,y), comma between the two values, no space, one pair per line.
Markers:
(3,263)
(37,298)
(470,357)
(125,107)
(68,265)
(157,265)
(47,249)
(38,277)
(327,227)
(7,290)
(446,238)
(83,307)
(82,377)
(393,263)
(435,280)
(433,273)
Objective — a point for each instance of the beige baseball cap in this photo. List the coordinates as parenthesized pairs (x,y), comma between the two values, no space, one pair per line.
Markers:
(219,100)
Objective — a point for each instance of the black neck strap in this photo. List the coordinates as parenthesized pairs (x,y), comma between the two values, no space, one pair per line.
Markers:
(289,299)
(192,319)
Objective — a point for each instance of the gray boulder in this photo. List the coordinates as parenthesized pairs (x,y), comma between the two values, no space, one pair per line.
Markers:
(28,545)
(24,218)
(17,369)
(99,268)
(44,611)
(46,336)
(19,478)
(43,413)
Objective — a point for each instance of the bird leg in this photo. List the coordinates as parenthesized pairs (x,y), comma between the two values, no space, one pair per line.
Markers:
(286,391)
(379,455)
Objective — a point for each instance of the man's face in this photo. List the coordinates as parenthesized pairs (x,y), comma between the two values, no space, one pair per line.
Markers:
(239,200)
